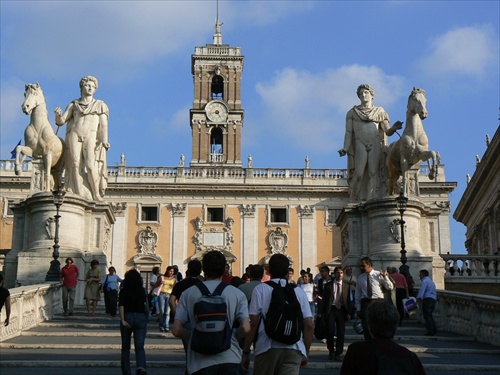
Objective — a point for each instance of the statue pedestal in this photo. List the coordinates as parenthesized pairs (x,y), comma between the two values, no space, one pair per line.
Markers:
(84,234)
(372,229)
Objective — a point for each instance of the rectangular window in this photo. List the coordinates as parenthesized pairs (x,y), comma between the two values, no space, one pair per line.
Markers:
(279,215)
(9,211)
(149,213)
(215,214)
(332,216)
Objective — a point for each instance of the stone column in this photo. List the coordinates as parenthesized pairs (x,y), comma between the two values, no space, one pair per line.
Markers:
(307,255)
(178,235)
(119,238)
(249,235)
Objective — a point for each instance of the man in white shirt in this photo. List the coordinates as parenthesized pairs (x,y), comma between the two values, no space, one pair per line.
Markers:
(369,288)
(271,355)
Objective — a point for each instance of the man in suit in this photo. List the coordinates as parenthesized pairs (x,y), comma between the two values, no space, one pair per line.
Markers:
(335,311)
(370,287)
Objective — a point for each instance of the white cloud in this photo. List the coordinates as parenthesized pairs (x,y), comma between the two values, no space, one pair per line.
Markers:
(115,36)
(88,34)
(309,108)
(467,51)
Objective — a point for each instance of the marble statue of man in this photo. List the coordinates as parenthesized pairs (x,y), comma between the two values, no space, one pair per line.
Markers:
(365,143)
(86,142)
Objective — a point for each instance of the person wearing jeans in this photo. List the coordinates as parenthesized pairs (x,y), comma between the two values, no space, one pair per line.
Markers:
(133,320)
(69,279)
(164,307)
(427,298)
(166,284)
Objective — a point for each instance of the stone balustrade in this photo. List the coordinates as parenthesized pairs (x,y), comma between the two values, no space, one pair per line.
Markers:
(464,265)
(472,273)
(9,165)
(257,175)
(30,305)
(469,314)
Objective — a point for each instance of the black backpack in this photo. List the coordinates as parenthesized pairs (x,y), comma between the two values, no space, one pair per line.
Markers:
(212,331)
(284,321)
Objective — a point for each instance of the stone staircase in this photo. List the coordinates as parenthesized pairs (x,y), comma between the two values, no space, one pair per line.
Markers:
(80,344)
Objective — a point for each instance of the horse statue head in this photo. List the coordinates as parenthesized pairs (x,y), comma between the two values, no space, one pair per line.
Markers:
(33,97)
(417,102)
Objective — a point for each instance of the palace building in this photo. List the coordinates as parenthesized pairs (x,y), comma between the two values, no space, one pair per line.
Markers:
(160,216)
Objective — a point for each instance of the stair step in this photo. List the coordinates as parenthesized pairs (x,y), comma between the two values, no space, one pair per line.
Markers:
(82,342)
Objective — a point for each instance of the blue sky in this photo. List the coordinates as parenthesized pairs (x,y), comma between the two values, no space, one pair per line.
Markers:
(303,63)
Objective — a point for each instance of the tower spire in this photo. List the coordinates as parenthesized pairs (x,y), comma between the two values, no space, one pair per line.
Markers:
(218,34)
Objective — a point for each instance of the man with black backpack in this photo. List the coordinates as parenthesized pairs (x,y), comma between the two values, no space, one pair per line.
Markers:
(281,317)
(212,315)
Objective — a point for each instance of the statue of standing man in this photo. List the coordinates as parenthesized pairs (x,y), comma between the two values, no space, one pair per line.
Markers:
(86,142)
(365,142)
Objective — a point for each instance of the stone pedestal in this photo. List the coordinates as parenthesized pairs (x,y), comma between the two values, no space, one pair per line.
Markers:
(372,229)
(84,234)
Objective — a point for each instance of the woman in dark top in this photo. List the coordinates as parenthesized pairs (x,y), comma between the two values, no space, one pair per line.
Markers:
(133,319)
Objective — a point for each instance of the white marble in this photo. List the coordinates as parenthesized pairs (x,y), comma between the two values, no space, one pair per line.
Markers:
(87,142)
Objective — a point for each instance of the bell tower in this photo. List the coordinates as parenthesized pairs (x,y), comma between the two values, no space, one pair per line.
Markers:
(216,117)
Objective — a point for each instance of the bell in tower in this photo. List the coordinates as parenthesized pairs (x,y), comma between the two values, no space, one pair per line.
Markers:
(216,115)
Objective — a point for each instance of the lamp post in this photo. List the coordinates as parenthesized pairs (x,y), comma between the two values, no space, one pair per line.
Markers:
(401,202)
(54,273)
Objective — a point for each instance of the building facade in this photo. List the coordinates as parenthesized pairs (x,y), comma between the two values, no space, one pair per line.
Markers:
(169,215)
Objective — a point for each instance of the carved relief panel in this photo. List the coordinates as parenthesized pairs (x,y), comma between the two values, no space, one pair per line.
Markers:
(213,238)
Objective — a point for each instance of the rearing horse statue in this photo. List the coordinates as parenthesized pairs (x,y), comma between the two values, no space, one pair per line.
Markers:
(413,145)
(39,138)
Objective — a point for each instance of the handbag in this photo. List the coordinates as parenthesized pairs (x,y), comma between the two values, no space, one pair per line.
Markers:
(358,326)
(104,287)
(410,305)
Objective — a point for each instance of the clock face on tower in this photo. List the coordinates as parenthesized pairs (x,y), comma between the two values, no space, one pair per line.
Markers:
(216,111)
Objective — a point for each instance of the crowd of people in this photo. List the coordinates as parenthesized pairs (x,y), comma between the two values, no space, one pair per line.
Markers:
(321,305)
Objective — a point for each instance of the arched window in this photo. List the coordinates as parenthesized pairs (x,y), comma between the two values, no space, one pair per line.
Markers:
(217,88)
(216,152)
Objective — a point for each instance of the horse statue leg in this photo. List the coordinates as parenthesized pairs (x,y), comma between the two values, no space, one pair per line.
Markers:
(24,151)
(47,167)
(392,167)
(404,170)
(430,156)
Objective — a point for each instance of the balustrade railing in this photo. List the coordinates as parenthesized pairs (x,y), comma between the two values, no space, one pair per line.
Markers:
(9,165)
(469,314)
(223,172)
(30,305)
(218,171)
(467,265)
